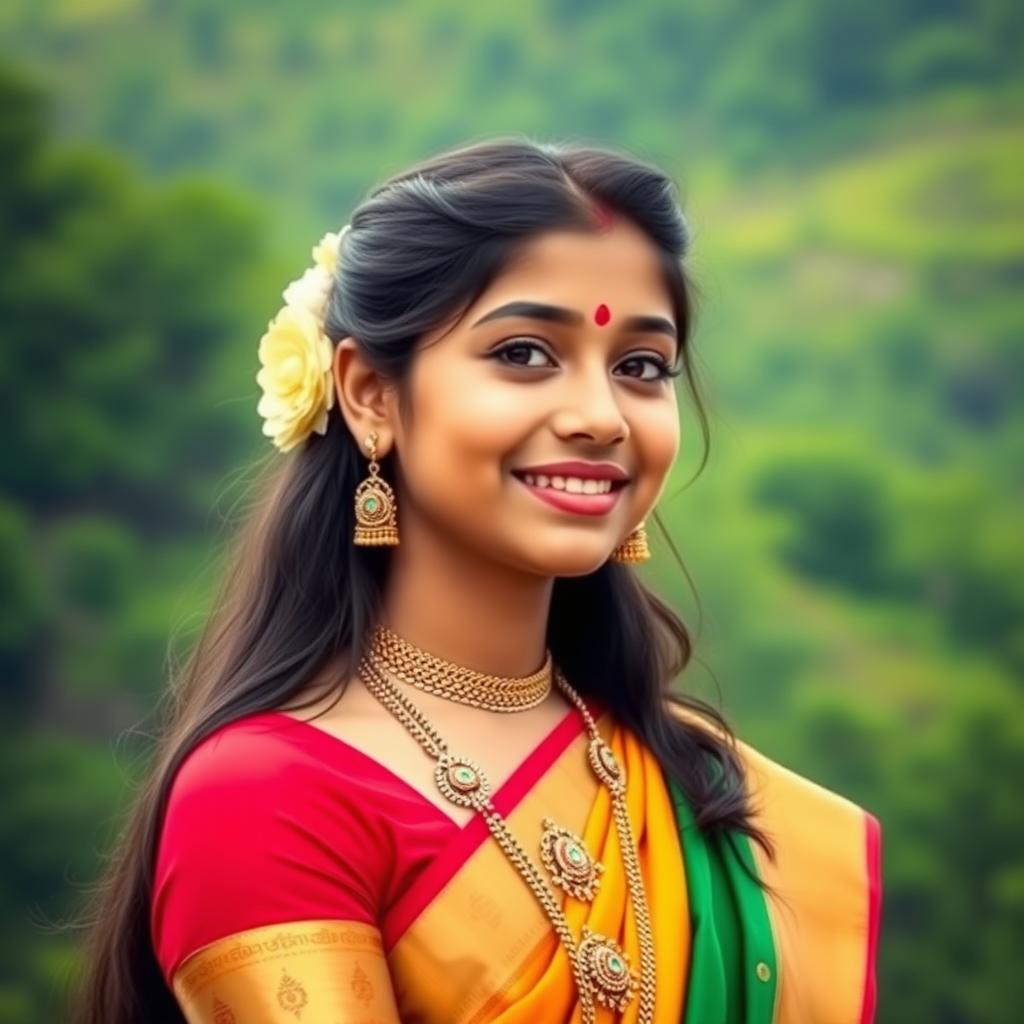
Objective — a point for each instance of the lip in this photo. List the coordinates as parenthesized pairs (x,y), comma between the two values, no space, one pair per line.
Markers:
(579,504)
(574,467)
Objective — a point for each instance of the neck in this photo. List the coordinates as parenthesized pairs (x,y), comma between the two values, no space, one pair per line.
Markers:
(478,614)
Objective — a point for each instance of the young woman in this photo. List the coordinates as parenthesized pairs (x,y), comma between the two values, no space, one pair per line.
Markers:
(425,764)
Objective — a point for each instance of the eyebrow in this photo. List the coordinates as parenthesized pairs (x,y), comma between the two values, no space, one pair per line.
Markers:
(561,315)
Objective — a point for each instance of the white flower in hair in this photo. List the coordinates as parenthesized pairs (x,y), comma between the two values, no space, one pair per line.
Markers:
(296,377)
(296,356)
(313,288)
(325,252)
(310,291)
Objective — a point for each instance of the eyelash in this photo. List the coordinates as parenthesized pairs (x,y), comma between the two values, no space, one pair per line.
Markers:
(665,371)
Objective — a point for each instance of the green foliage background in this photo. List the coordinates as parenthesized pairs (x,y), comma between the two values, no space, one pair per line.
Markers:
(852,173)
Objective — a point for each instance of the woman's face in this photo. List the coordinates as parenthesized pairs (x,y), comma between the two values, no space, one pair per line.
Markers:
(506,389)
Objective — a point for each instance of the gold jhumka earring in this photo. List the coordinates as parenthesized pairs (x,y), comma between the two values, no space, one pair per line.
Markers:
(634,548)
(375,506)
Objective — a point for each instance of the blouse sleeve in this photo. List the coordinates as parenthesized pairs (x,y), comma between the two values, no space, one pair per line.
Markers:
(269,880)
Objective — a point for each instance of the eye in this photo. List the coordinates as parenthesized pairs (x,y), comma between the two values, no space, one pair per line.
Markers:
(519,346)
(662,371)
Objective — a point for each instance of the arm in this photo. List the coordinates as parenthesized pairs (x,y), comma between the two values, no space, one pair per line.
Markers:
(315,970)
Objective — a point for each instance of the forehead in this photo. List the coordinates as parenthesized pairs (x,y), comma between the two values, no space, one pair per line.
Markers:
(620,268)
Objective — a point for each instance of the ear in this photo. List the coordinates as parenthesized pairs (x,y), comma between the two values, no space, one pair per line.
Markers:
(362,395)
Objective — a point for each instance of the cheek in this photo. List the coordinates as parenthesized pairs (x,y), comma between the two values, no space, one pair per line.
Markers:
(478,406)
(656,439)
(462,434)
(656,431)
(483,424)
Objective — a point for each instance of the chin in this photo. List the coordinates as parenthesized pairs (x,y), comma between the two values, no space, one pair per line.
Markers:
(571,560)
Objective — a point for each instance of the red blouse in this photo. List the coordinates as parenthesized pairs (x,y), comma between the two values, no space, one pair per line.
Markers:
(271,820)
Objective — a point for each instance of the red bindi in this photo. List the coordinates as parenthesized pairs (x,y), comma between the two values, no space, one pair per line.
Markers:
(602,315)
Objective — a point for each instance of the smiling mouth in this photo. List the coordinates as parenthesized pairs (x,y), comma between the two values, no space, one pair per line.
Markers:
(569,484)
(573,494)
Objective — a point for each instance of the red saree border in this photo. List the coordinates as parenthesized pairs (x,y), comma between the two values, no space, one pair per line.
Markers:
(874,871)
(469,838)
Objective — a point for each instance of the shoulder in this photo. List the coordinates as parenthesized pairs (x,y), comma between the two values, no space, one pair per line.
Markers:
(770,783)
(824,843)
(252,834)
(240,758)
(259,778)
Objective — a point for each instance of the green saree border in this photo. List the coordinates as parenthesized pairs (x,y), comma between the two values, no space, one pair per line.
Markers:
(714,994)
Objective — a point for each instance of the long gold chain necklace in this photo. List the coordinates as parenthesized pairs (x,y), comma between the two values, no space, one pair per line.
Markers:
(600,966)
(427,672)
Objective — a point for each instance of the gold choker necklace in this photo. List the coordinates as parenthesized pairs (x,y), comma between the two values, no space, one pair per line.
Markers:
(413,666)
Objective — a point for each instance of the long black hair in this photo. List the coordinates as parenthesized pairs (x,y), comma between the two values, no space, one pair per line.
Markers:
(297,594)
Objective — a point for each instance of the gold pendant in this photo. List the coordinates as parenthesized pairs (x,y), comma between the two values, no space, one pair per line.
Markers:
(461,780)
(608,968)
(606,766)
(565,855)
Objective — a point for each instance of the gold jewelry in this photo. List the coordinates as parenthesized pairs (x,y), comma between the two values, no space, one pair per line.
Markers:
(600,966)
(567,859)
(634,548)
(431,674)
(564,853)
(375,506)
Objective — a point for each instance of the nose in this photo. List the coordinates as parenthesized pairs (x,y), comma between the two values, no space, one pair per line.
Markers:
(591,410)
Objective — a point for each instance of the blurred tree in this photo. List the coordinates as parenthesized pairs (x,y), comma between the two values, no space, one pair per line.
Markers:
(118,302)
(837,520)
